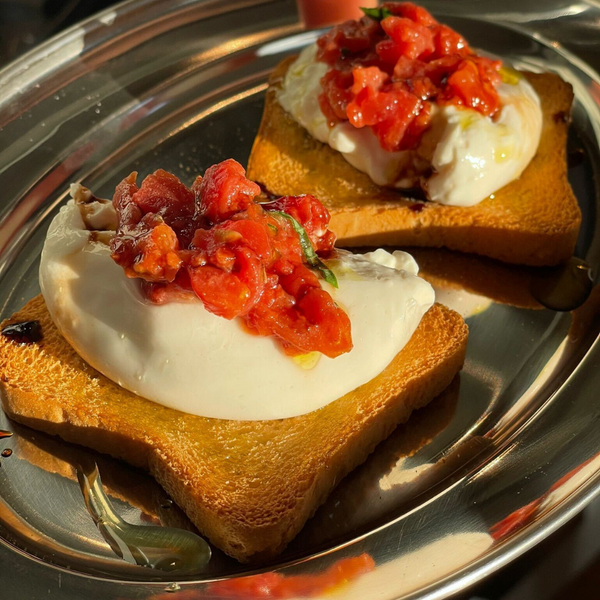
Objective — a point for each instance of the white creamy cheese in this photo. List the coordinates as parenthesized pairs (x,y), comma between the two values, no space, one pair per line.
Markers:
(182,356)
(472,155)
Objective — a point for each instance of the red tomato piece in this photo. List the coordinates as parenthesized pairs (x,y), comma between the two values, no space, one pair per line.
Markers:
(163,194)
(411,11)
(400,66)
(406,38)
(145,246)
(217,244)
(312,215)
(448,42)
(224,191)
(467,86)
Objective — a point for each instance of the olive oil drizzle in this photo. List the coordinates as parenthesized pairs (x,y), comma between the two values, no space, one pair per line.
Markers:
(162,548)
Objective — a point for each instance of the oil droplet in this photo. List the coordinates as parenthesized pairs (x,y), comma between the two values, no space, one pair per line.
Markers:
(7,452)
(307,361)
(163,548)
(564,287)
(5,434)
(510,76)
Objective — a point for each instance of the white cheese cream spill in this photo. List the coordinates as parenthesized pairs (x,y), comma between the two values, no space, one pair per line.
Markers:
(462,158)
(182,356)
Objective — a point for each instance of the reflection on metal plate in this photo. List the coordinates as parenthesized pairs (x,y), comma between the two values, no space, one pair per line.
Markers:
(484,472)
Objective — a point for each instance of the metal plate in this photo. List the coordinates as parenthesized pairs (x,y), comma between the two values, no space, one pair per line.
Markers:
(180,85)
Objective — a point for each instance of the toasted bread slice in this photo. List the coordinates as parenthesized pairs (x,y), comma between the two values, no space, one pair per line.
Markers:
(249,486)
(534,220)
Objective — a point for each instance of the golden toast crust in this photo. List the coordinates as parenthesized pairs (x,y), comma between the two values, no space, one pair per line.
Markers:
(533,220)
(248,486)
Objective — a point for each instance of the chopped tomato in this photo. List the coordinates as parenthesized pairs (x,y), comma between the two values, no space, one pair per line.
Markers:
(215,243)
(224,191)
(387,74)
(313,216)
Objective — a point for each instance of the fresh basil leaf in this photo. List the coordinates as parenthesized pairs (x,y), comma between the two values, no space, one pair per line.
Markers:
(377,13)
(307,248)
(327,274)
(374,13)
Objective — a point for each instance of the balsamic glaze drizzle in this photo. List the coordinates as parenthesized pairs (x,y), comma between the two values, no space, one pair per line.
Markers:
(24,332)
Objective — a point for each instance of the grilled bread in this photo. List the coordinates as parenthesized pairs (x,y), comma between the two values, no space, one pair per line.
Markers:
(249,486)
(534,220)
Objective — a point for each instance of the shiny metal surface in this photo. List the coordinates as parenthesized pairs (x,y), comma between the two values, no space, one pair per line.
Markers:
(180,85)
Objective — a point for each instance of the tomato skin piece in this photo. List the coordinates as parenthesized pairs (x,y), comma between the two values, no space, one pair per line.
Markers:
(410,63)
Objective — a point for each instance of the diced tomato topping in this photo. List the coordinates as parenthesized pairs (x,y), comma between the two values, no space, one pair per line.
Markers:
(313,216)
(240,258)
(147,247)
(224,191)
(387,74)
(405,38)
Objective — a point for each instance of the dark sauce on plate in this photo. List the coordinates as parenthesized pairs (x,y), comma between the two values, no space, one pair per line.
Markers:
(564,287)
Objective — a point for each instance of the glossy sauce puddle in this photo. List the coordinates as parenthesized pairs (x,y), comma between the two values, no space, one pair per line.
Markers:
(564,287)
(162,548)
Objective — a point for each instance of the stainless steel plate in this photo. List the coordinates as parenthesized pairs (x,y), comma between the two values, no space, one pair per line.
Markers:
(180,85)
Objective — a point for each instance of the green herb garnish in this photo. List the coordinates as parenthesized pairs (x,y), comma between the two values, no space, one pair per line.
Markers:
(377,13)
(307,248)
